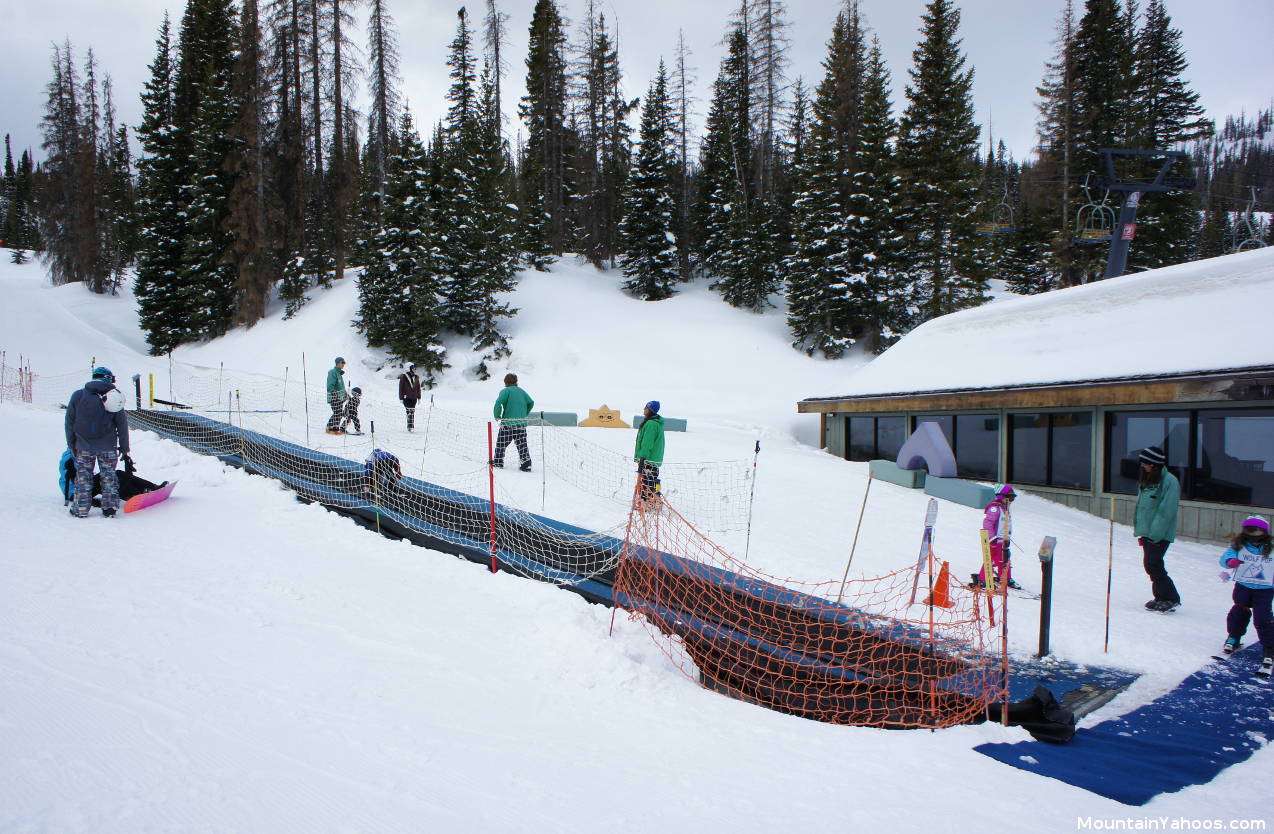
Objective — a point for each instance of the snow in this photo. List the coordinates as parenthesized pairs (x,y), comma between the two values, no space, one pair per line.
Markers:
(1189,317)
(233,660)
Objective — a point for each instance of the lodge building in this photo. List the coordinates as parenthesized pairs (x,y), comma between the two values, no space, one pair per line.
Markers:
(1057,393)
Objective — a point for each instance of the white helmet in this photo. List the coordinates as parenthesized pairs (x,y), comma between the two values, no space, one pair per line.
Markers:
(113,400)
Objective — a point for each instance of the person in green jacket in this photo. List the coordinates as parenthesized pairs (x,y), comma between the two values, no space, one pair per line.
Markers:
(1155,525)
(336,395)
(512,408)
(650,450)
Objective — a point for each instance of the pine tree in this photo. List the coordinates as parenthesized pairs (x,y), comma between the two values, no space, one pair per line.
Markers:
(1168,115)
(648,244)
(936,154)
(161,314)
(544,176)
(203,114)
(399,296)
(383,79)
(1057,130)
(248,211)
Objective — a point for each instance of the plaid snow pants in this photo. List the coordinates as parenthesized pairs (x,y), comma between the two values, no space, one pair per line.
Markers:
(106,462)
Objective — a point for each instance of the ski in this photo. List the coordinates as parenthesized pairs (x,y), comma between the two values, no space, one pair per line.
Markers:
(1266,669)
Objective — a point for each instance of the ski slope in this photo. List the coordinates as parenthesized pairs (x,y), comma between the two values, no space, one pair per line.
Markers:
(233,660)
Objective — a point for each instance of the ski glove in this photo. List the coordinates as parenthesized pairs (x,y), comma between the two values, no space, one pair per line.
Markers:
(1233,563)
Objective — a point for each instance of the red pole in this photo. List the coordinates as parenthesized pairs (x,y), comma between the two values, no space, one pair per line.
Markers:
(495,565)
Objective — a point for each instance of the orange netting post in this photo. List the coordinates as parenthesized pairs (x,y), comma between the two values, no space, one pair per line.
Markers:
(874,659)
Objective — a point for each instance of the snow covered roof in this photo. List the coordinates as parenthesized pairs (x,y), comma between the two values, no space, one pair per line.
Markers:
(1200,317)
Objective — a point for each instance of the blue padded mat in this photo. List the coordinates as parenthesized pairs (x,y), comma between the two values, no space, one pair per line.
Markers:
(1215,718)
(1060,677)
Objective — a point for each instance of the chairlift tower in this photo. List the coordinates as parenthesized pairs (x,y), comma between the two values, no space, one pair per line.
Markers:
(1117,261)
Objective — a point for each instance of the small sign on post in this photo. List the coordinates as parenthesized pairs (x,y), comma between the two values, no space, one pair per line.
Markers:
(1047,548)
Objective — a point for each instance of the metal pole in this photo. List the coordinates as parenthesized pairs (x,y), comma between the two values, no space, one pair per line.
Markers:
(747,546)
(1110,570)
(1047,549)
(305,392)
(491,485)
(1117,263)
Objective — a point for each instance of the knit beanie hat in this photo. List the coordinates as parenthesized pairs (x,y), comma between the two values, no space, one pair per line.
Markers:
(1153,455)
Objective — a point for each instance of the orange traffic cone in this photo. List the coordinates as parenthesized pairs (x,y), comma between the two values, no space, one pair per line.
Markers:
(941,596)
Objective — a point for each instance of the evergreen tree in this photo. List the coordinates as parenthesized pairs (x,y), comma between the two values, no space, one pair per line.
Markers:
(473,242)
(399,296)
(383,79)
(544,175)
(1057,129)
(250,254)
(648,244)
(936,155)
(204,112)
(161,313)
(1168,115)
(681,97)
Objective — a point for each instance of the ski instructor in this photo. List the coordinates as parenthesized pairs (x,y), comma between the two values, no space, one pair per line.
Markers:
(649,451)
(97,434)
(336,395)
(1155,525)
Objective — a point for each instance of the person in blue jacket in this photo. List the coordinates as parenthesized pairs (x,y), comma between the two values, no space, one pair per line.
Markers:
(1248,558)
(97,434)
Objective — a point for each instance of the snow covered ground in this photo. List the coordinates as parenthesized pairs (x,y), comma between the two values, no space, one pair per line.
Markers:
(233,660)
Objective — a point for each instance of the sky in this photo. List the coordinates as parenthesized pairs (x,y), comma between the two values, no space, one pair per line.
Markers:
(1007,44)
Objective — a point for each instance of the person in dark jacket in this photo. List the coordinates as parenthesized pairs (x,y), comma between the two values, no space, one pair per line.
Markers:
(409,393)
(650,450)
(512,408)
(351,411)
(336,395)
(381,474)
(96,434)
(1155,525)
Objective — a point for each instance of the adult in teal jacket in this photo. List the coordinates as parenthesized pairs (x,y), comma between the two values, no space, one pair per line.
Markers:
(336,395)
(1155,525)
(650,450)
(512,408)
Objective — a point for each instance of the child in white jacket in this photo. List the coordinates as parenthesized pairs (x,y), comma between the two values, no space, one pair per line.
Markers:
(1249,558)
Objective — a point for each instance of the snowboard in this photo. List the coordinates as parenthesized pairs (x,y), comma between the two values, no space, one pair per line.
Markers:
(149,499)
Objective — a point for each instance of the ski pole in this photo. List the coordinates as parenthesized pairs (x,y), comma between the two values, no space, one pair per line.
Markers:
(1110,570)
(845,576)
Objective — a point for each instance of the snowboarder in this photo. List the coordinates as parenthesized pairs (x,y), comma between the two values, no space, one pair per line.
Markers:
(1253,570)
(381,473)
(1155,525)
(96,434)
(649,451)
(997,521)
(409,393)
(512,408)
(351,411)
(336,395)
(130,484)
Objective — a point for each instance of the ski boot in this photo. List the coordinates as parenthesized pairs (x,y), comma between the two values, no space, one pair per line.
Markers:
(1266,669)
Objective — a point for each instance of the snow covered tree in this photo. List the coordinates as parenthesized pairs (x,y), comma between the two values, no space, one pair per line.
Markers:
(840,273)
(647,243)
(399,296)
(544,175)
(937,148)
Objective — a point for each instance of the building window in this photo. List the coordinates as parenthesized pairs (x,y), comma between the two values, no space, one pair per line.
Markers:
(1128,432)
(975,441)
(977,446)
(1051,449)
(1234,457)
(873,438)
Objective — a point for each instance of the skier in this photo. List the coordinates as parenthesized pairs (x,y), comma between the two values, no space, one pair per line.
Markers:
(336,395)
(998,523)
(351,411)
(1249,558)
(409,393)
(1155,525)
(649,451)
(512,408)
(386,471)
(96,434)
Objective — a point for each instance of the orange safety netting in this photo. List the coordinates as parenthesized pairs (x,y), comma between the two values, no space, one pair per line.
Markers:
(873,658)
